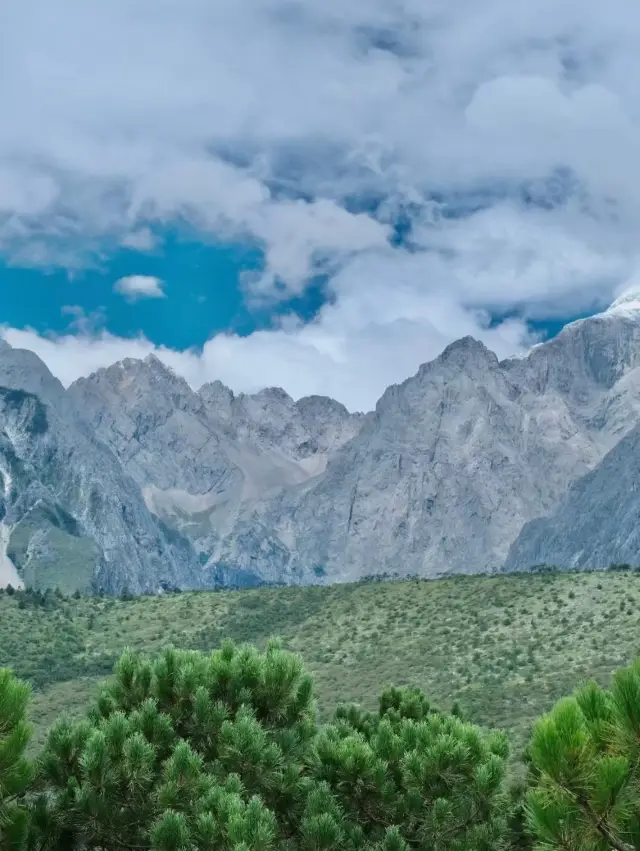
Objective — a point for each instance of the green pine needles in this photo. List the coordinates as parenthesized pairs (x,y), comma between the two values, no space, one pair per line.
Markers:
(586,764)
(15,771)
(190,751)
(409,777)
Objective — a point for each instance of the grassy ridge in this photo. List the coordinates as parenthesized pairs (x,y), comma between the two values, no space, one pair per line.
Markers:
(504,647)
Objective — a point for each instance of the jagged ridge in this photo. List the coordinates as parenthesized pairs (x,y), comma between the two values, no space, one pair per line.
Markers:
(209,487)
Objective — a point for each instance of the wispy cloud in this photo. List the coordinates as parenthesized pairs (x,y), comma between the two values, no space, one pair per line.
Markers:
(135,287)
(505,135)
(139,240)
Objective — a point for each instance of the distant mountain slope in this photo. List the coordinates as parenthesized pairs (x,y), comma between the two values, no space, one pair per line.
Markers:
(199,456)
(70,516)
(596,524)
(130,478)
(442,477)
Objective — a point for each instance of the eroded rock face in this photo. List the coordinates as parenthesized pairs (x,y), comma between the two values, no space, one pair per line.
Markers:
(454,461)
(154,484)
(200,456)
(596,523)
(71,516)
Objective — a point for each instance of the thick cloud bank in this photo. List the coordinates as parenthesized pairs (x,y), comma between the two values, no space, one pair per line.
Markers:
(502,136)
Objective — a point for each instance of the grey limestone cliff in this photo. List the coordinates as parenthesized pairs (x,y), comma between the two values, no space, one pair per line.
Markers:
(200,456)
(133,478)
(70,515)
(454,461)
(597,522)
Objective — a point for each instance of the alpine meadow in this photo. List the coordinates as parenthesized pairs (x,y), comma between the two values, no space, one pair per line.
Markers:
(215,743)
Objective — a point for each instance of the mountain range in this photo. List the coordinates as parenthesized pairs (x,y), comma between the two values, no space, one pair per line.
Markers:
(132,480)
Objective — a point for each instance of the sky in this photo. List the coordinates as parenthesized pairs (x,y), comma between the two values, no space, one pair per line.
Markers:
(317,196)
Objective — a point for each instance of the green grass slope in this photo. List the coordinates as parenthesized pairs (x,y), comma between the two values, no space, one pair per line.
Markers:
(504,647)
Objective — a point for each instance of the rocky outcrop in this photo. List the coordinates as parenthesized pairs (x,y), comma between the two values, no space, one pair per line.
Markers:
(454,461)
(200,456)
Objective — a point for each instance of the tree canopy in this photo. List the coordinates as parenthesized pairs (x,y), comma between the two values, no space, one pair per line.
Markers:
(411,777)
(194,751)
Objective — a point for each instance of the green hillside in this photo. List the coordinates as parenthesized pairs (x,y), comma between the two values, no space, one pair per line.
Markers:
(504,647)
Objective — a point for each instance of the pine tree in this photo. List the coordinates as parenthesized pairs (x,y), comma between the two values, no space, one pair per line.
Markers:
(586,757)
(189,752)
(15,770)
(411,777)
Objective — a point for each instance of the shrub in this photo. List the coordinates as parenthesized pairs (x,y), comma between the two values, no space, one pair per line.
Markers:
(411,777)
(185,751)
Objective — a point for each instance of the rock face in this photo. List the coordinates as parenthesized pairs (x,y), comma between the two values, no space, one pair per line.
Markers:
(453,462)
(596,524)
(70,516)
(199,457)
(130,478)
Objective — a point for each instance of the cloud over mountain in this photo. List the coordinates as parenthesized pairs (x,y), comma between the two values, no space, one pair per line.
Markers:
(439,164)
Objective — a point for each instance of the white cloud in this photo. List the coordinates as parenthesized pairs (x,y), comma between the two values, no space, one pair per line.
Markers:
(295,90)
(122,116)
(142,239)
(135,287)
(219,198)
(25,193)
(348,356)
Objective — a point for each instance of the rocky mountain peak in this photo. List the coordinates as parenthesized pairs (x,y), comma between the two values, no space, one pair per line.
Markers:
(133,382)
(466,356)
(465,348)
(21,369)
(72,516)
(315,405)
(588,357)
(442,477)
(457,458)
(218,400)
(273,394)
(216,388)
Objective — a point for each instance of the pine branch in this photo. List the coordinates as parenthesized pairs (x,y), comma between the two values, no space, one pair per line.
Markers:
(598,822)
(603,829)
